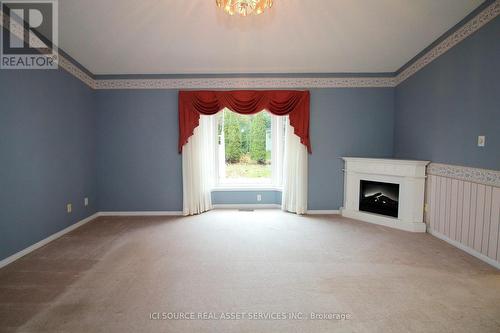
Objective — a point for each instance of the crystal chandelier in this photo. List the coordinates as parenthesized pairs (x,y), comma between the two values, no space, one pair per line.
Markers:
(244,7)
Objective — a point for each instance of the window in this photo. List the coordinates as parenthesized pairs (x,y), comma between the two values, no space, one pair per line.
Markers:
(250,149)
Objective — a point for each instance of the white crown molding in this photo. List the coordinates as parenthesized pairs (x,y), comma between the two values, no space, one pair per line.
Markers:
(477,22)
(475,175)
(482,18)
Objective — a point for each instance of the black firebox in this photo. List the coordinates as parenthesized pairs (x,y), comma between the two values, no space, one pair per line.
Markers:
(379,198)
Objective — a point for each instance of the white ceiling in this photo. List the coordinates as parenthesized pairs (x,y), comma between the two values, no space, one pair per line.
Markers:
(295,36)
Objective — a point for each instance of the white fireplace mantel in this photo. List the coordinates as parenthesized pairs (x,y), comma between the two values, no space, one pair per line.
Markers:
(409,174)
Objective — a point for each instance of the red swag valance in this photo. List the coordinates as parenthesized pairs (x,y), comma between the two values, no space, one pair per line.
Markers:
(293,103)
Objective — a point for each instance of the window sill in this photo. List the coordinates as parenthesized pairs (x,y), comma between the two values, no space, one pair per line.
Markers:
(235,188)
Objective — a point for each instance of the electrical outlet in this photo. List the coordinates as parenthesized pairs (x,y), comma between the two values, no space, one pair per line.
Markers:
(259,197)
(86,202)
(69,208)
(481,141)
(426,207)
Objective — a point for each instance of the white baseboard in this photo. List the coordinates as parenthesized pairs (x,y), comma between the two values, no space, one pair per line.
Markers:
(72,227)
(59,234)
(323,212)
(142,213)
(247,206)
(45,241)
(465,248)
(216,206)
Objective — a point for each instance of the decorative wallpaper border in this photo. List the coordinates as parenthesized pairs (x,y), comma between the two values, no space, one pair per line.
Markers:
(72,69)
(18,30)
(482,18)
(485,16)
(242,83)
(481,176)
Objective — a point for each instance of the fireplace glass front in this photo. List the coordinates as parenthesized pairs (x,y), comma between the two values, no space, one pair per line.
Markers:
(379,198)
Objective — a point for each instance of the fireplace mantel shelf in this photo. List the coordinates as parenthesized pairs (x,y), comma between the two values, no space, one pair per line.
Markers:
(408,174)
(386,161)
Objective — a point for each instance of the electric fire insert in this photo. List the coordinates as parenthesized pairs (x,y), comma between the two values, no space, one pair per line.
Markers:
(379,198)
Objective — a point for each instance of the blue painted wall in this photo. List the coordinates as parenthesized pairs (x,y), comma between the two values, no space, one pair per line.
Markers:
(346,122)
(139,167)
(246,197)
(47,155)
(61,142)
(442,109)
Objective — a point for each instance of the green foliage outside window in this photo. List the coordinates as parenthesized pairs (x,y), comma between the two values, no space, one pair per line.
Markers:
(258,138)
(245,142)
(232,136)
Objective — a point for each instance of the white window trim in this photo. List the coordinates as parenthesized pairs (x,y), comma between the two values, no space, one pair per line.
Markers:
(277,128)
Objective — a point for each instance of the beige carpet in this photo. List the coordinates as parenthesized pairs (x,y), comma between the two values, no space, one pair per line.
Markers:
(111,274)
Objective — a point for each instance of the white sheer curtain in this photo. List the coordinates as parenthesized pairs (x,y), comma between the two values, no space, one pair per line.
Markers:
(198,167)
(294,198)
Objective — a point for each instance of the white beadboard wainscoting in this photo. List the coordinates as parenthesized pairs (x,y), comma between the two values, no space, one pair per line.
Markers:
(463,208)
